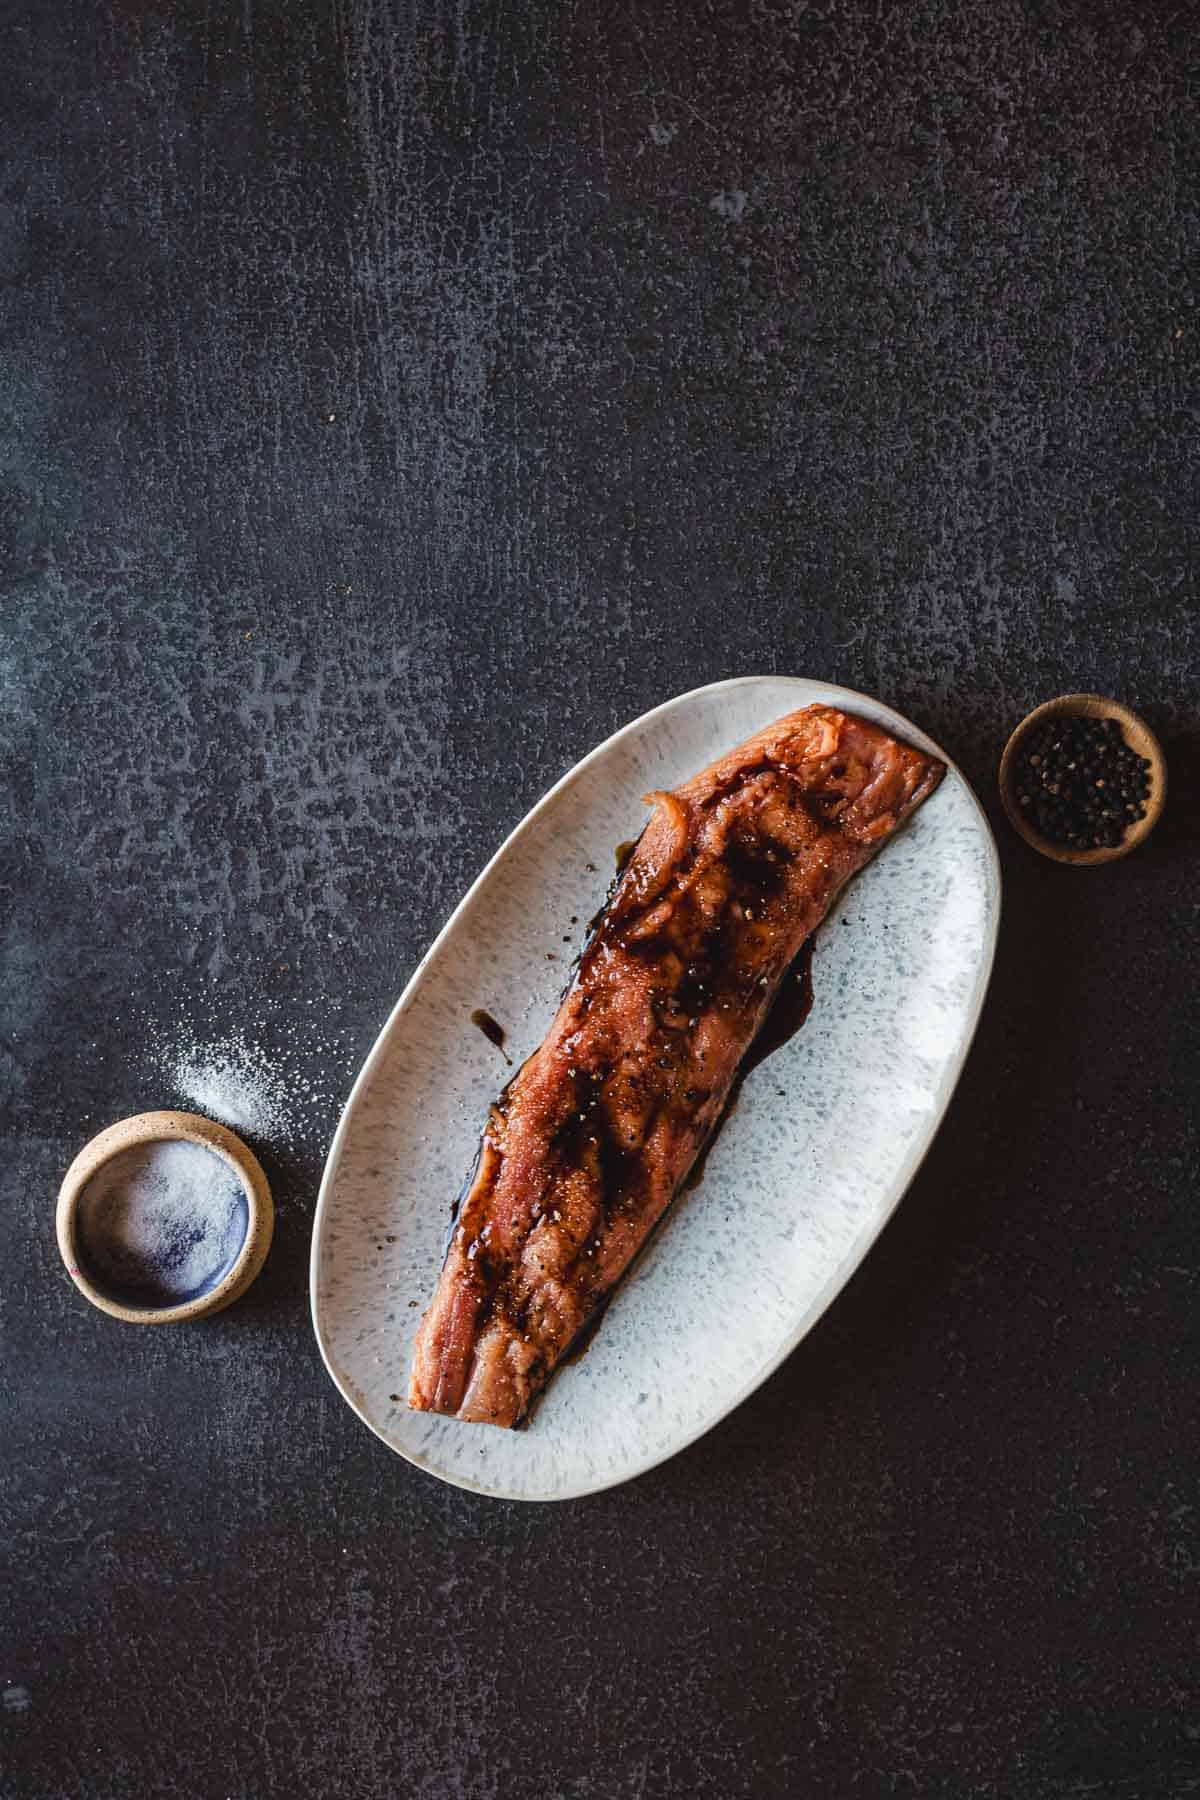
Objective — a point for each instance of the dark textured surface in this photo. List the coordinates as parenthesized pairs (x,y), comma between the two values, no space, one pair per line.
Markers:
(395,401)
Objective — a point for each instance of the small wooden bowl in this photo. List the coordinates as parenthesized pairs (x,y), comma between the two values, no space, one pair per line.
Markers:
(160,1127)
(1140,739)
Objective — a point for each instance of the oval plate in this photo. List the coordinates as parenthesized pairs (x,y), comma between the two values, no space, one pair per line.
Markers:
(795,1190)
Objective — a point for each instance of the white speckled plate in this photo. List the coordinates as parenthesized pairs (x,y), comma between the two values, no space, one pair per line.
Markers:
(797,1186)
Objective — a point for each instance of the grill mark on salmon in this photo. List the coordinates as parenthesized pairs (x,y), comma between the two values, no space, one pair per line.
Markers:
(594,1135)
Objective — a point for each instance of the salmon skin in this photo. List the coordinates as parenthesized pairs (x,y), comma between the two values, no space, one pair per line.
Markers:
(590,1141)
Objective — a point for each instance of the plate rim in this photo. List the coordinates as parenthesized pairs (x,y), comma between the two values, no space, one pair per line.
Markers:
(841,1276)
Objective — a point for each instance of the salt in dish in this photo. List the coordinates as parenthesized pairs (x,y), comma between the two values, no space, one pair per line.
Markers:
(164,1216)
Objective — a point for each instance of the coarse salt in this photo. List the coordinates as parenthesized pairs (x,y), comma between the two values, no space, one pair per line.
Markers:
(162,1221)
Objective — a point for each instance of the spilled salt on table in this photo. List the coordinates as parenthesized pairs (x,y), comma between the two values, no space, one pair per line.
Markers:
(229,1080)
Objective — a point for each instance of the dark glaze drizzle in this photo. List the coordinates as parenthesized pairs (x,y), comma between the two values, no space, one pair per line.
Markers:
(789,1010)
(494,1033)
(580,1344)
(457,1202)
(582,1341)
(621,856)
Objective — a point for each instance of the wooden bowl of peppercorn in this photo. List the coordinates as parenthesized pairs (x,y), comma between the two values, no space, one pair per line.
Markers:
(1083,779)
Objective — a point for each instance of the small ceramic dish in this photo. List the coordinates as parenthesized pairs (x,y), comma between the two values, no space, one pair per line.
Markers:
(1140,739)
(164,1216)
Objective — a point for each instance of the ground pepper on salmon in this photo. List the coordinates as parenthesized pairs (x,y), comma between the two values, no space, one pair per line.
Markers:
(593,1137)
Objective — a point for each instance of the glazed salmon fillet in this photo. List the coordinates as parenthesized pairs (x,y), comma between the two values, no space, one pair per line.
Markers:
(590,1141)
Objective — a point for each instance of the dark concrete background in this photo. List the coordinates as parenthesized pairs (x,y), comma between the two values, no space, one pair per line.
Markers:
(396,400)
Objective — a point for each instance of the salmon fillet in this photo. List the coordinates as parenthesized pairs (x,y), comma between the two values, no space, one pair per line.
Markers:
(590,1141)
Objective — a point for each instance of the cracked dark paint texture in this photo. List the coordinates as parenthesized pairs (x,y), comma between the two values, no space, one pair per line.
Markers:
(396,400)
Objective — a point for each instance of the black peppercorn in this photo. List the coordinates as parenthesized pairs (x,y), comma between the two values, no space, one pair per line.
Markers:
(1079,782)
